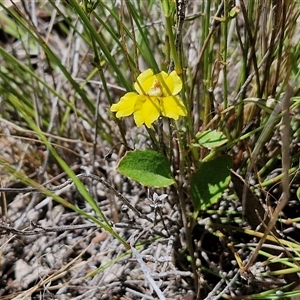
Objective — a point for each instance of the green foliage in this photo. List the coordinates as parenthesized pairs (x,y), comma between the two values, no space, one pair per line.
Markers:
(210,139)
(147,167)
(210,181)
(276,294)
(236,64)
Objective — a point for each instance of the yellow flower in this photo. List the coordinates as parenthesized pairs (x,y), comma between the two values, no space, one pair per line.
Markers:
(155,96)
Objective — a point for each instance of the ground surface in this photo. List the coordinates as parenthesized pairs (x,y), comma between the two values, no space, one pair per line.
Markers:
(55,257)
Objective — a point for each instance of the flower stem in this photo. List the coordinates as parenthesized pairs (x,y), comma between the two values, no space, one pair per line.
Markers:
(171,41)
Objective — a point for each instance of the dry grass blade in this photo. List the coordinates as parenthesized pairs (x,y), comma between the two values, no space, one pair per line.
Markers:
(64,68)
(270,222)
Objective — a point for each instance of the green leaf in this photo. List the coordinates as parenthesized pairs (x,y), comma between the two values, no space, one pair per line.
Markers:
(168,7)
(298,193)
(210,181)
(148,167)
(234,12)
(210,139)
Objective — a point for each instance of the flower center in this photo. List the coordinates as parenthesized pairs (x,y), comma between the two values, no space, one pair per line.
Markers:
(156,90)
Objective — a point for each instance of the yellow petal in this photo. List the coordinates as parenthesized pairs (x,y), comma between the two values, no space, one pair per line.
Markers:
(146,110)
(172,107)
(125,106)
(174,83)
(144,82)
(171,84)
(160,84)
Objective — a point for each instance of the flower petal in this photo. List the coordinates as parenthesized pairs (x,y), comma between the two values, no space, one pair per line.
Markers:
(172,107)
(125,106)
(171,84)
(144,82)
(147,110)
(174,83)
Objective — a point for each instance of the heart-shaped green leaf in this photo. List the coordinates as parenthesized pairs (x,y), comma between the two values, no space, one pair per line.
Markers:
(210,139)
(148,167)
(210,181)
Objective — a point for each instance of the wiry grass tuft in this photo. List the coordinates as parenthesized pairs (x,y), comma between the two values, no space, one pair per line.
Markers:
(64,63)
